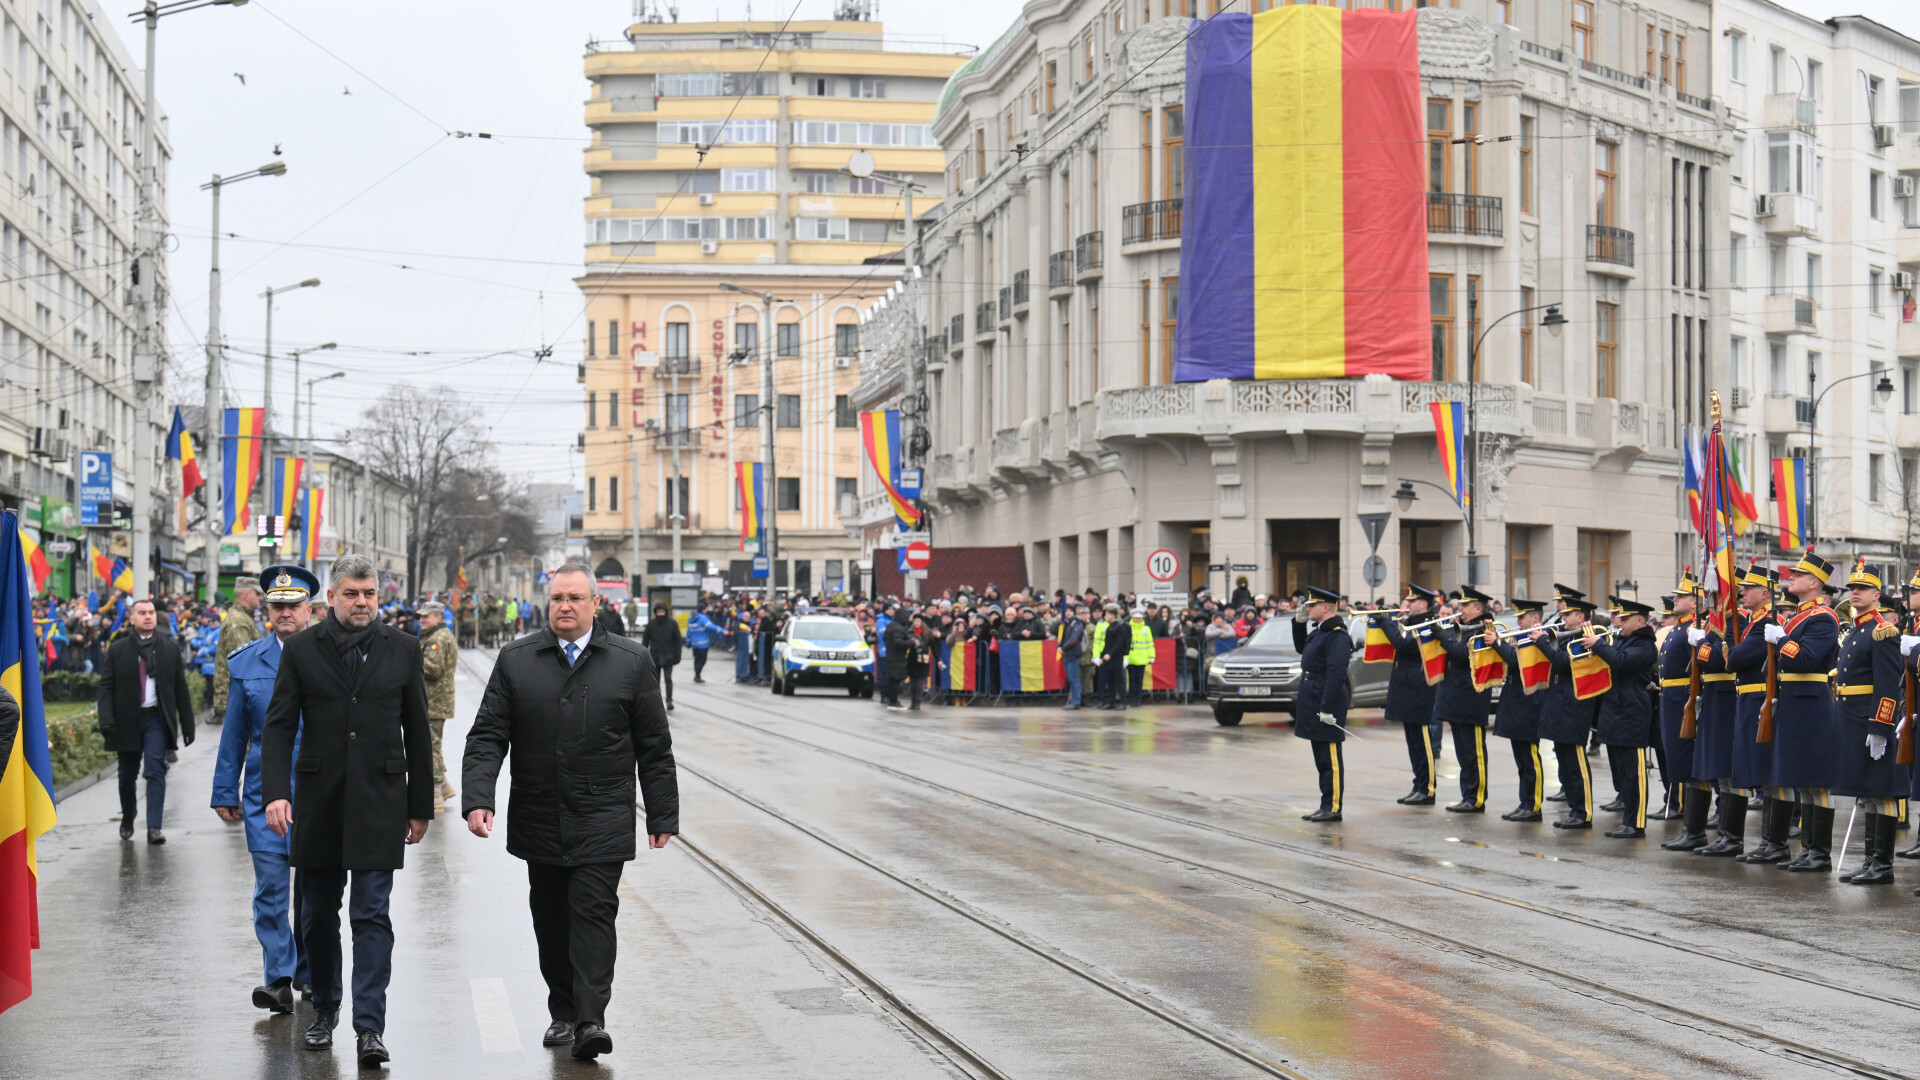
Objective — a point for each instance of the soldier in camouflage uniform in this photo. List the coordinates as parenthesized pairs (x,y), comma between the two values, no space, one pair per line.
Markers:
(438,656)
(237,628)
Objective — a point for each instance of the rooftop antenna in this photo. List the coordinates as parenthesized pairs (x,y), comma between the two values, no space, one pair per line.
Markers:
(856,10)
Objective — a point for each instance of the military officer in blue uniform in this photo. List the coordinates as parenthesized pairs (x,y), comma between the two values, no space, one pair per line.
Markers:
(1866,713)
(1676,689)
(1910,657)
(1623,718)
(251,670)
(1565,719)
(1807,644)
(1517,719)
(1747,653)
(1463,708)
(1715,713)
(1409,695)
(1321,709)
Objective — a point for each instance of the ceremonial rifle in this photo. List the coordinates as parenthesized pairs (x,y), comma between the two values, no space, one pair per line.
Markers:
(1764,734)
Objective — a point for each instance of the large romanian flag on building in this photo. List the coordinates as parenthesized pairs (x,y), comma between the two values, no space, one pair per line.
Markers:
(880,440)
(1305,251)
(1031,667)
(26,773)
(242,431)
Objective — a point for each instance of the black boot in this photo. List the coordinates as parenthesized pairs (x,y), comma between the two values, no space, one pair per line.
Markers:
(1878,869)
(1909,852)
(1773,834)
(1816,842)
(1693,813)
(1733,828)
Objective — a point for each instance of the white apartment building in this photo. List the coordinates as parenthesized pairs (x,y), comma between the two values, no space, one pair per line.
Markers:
(1574,159)
(1820,261)
(70,121)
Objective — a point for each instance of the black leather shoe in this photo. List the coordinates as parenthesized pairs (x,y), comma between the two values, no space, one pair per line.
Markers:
(1419,800)
(126,830)
(1686,842)
(1811,862)
(1908,853)
(320,1033)
(1524,814)
(1574,821)
(1769,851)
(1626,832)
(1321,815)
(277,997)
(155,836)
(559,1033)
(1614,807)
(1465,807)
(369,1049)
(591,1040)
(1558,796)
(1723,847)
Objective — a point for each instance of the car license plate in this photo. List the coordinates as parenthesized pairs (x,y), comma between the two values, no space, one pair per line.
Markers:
(1256,691)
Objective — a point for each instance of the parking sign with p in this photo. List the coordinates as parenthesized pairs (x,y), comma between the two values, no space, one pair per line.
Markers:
(96,488)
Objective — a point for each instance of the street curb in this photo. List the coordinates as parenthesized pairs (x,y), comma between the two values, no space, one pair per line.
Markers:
(83,783)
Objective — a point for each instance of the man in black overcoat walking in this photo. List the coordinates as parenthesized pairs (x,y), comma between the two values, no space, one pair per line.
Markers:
(354,692)
(146,712)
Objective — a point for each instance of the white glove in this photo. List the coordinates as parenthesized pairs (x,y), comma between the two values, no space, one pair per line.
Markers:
(1775,635)
(1695,635)
(1877,746)
(1907,642)
(1300,613)
(1330,719)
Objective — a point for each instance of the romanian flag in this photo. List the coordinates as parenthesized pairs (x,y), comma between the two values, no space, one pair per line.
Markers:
(1690,453)
(1591,675)
(310,514)
(1433,656)
(1031,667)
(880,438)
(963,673)
(1379,648)
(286,486)
(748,475)
(1790,501)
(37,566)
(26,773)
(1489,670)
(1160,675)
(180,449)
(1740,508)
(1306,198)
(1535,669)
(1450,428)
(241,436)
(115,572)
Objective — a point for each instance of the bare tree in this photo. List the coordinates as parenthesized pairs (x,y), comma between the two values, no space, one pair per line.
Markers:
(425,441)
(483,515)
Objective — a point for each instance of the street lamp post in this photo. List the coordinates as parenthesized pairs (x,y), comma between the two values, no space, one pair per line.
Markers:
(310,382)
(769,507)
(294,430)
(266,410)
(1884,388)
(215,413)
(1553,321)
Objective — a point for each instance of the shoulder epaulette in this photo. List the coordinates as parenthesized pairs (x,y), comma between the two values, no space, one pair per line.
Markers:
(244,648)
(1883,630)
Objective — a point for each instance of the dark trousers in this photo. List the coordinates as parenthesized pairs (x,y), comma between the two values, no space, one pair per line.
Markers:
(1470,745)
(1629,767)
(1574,778)
(916,676)
(884,683)
(1526,762)
(1332,764)
(320,891)
(1114,679)
(1420,755)
(574,908)
(150,762)
(1136,678)
(666,681)
(699,664)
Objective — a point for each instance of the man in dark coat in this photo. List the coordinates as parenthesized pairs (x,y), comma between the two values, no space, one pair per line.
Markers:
(1566,718)
(663,641)
(1518,717)
(575,768)
(1623,720)
(1866,711)
(1409,694)
(353,692)
(1461,706)
(1321,709)
(1113,657)
(146,712)
(898,655)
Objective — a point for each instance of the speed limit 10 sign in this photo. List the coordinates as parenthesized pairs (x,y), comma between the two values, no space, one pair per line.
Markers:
(1162,565)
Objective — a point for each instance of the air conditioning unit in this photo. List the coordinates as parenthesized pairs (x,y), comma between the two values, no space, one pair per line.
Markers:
(1742,397)
(843,361)
(1903,187)
(706,198)
(17,479)
(60,450)
(1882,136)
(709,247)
(1903,280)
(1763,206)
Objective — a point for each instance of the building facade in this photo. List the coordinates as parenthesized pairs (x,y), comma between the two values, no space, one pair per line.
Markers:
(1574,159)
(721,154)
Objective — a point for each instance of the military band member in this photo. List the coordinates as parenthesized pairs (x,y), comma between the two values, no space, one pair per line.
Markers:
(1625,707)
(1321,713)
(1561,594)
(1565,719)
(1409,698)
(1807,644)
(1518,716)
(1461,706)
(237,628)
(1676,688)
(1866,712)
(1747,654)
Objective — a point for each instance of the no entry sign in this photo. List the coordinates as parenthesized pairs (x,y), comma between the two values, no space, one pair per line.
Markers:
(919,556)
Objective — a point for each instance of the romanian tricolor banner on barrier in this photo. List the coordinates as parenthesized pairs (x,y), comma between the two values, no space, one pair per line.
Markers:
(1433,656)
(962,673)
(748,478)
(1535,668)
(1450,431)
(26,773)
(1489,669)
(880,440)
(1591,675)
(1790,501)
(1031,667)
(1379,648)
(241,436)
(1305,222)
(1162,674)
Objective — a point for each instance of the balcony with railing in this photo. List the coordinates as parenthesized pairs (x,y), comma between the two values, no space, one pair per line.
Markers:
(957,333)
(1786,111)
(1148,222)
(1088,252)
(1608,246)
(1059,271)
(1465,215)
(671,366)
(1789,313)
(1638,82)
(983,318)
(1784,213)
(1692,102)
(1020,299)
(1542,51)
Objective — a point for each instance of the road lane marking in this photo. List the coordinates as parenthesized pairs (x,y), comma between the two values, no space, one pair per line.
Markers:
(494,1014)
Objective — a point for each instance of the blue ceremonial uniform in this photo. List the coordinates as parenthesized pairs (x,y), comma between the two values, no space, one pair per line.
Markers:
(1676,684)
(1867,700)
(1517,717)
(1752,760)
(236,782)
(1624,720)
(1713,716)
(1565,721)
(1803,710)
(1410,701)
(1465,710)
(1324,653)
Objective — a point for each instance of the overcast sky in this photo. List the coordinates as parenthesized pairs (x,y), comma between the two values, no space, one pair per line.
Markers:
(443,259)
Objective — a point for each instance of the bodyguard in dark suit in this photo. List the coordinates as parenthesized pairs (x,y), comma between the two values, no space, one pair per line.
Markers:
(580,712)
(1517,718)
(146,712)
(1566,720)
(1409,695)
(1623,719)
(1866,711)
(354,693)
(1320,713)
(1808,644)
(1464,708)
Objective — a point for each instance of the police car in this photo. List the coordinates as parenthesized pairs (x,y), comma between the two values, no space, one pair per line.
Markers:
(822,650)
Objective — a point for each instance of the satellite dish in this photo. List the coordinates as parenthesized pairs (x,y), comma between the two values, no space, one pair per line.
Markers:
(861,164)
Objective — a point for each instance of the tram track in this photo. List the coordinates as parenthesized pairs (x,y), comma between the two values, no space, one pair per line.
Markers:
(1746,1034)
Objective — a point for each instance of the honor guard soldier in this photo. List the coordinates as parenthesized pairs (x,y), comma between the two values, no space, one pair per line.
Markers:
(1910,660)
(1623,719)
(1518,717)
(237,628)
(1409,695)
(1866,711)
(1662,621)
(1714,715)
(1321,714)
(1461,706)
(1750,656)
(1565,719)
(1806,647)
(439,655)
(1676,691)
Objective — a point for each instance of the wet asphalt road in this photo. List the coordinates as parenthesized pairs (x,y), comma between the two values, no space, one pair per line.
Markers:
(1015,892)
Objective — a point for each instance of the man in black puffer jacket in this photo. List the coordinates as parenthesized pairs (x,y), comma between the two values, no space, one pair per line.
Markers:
(663,641)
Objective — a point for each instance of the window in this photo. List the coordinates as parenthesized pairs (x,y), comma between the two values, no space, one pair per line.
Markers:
(1737,351)
(1526,338)
(1875,277)
(820,228)
(1519,561)
(1779,382)
(1680,63)
(1440,299)
(844,417)
(979,152)
(1526,164)
(1605,174)
(613,408)
(1583,48)
(1086,49)
(1876,194)
(675,504)
(1169,324)
(1736,261)
(1737,161)
(746,410)
(819,183)
(677,352)
(1737,56)
(1473,324)
(846,339)
(786,493)
(787,339)
(1776,68)
(593,336)
(834,133)
(1469,152)
(613,494)
(1909,388)
(865,185)
(593,410)
(1146,333)
(1594,553)
(613,337)
(1439,142)
(1053,76)
(674,420)
(746,339)
(868,232)
(787,410)
(819,87)
(846,495)
(1606,340)
(1876,477)
(714,133)
(1173,160)
(699,183)
(746,179)
(1909,108)
(592,488)
(867,88)
(1506,12)
(1814,70)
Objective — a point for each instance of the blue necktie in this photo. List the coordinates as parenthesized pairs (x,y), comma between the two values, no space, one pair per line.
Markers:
(573,653)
